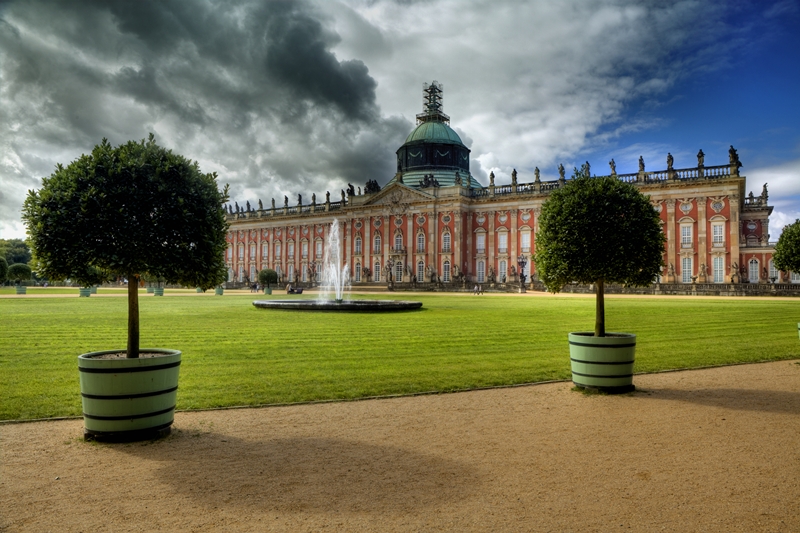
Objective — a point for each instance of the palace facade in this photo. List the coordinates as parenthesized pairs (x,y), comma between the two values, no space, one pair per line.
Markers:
(433,222)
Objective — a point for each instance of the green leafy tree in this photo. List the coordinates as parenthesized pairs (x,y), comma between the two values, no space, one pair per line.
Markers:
(787,250)
(598,231)
(3,270)
(19,272)
(130,211)
(15,251)
(267,276)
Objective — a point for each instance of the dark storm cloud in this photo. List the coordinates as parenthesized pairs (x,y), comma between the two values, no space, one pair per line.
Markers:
(252,90)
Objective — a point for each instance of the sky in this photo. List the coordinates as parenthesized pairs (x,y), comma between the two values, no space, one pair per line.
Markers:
(300,97)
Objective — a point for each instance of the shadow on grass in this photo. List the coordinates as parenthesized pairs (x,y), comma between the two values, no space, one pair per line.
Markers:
(739,399)
(304,473)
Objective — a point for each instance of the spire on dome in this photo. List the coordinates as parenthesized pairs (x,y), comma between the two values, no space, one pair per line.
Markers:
(432,96)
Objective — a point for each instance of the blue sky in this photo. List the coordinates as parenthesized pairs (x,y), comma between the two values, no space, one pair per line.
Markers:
(286,98)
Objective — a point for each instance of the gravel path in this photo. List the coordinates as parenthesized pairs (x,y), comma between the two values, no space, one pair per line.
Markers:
(703,450)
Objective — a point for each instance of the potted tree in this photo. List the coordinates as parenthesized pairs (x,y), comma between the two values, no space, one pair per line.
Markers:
(19,272)
(267,276)
(597,231)
(131,211)
(787,251)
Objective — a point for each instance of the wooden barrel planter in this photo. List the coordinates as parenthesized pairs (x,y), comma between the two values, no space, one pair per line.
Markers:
(128,399)
(158,291)
(268,290)
(218,291)
(21,289)
(603,363)
(84,292)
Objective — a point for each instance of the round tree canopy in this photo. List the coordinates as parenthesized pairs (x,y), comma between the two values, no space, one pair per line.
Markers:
(598,230)
(19,272)
(267,276)
(132,210)
(3,270)
(787,250)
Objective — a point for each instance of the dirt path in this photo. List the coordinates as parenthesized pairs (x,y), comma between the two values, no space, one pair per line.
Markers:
(703,450)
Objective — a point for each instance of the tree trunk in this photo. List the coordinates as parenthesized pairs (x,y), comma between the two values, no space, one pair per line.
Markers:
(133,316)
(600,310)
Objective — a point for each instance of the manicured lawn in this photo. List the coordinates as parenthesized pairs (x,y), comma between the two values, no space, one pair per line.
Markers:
(235,354)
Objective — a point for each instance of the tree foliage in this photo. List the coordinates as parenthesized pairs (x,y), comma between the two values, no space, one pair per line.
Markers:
(267,276)
(130,211)
(19,272)
(3,270)
(787,250)
(15,251)
(598,230)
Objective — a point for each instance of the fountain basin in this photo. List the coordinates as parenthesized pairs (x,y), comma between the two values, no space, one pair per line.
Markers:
(334,305)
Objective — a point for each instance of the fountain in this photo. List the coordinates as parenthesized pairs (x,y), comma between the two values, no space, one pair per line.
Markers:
(335,282)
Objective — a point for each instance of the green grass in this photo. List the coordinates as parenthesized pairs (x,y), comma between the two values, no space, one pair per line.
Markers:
(235,354)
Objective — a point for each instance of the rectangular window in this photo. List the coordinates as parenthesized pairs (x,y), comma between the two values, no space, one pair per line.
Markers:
(358,272)
(398,272)
(446,272)
(718,266)
(319,248)
(265,250)
(421,243)
(526,241)
(718,234)
(305,250)
(241,252)
(398,243)
(376,274)
(446,243)
(420,271)
(773,272)
(502,243)
(305,274)
(481,272)
(753,271)
(686,236)
(377,245)
(358,246)
(290,250)
(795,277)
(686,270)
(480,243)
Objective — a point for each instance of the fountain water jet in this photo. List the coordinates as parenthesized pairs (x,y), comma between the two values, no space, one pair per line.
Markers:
(335,281)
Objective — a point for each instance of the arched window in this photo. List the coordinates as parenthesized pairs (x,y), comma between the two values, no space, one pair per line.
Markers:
(446,272)
(252,251)
(358,272)
(376,272)
(481,272)
(241,251)
(502,271)
(241,273)
(358,245)
(398,242)
(277,250)
(265,250)
(376,248)
(446,242)
(253,273)
(420,270)
(304,249)
(686,270)
(290,250)
(318,274)
(398,272)
(420,242)
(753,271)
(291,273)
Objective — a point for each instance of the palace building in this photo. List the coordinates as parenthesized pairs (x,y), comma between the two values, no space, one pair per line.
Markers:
(434,223)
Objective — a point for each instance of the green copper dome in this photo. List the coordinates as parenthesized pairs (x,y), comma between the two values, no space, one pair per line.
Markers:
(438,132)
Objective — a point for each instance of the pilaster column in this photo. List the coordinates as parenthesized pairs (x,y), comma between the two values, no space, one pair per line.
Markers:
(490,252)
(734,235)
(513,237)
(671,244)
(702,235)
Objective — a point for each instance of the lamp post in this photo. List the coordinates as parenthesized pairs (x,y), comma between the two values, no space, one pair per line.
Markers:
(521,262)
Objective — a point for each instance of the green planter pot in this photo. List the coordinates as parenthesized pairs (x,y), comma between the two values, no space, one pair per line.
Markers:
(218,291)
(158,291)
(268,290)
(603,363)
(150,290)
(199,289)
(84,292)
(21,289)
(128,399)
(93,290)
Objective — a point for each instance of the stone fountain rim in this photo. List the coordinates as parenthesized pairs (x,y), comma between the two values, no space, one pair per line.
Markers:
(344,305)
